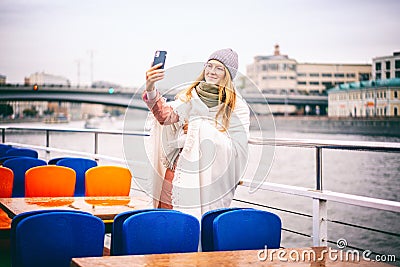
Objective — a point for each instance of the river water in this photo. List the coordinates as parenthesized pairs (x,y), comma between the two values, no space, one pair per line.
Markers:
(371,174)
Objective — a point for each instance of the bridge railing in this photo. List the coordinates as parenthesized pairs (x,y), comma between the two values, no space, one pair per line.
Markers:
(255,98)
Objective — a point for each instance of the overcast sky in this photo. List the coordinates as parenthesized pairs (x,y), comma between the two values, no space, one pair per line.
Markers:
(53,35)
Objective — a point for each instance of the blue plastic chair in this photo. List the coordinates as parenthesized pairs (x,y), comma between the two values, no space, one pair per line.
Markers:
(19,165)
(3,149)
(54,238)
(22,216)
(247,229)
(117,232)
(55,160)
(3,159)
(22,152)
(156,232)
(207,234)
(80,166)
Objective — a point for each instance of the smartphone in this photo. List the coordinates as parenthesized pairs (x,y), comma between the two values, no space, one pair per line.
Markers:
(159,57)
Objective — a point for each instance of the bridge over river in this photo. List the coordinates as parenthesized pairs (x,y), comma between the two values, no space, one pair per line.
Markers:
(128,97)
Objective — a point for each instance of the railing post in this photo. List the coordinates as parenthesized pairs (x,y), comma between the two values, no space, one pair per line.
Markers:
(320,229)
(96,144)
(318,168)
(320,214)
(47,143)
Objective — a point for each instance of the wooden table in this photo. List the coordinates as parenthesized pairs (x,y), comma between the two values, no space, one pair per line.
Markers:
(229,258)
(106,208)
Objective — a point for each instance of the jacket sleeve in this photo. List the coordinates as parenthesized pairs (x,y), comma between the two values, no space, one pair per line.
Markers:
(162,111)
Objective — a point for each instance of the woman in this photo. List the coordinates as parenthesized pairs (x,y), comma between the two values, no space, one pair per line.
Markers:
(198,144)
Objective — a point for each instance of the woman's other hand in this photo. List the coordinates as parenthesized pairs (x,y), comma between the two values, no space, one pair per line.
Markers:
(153,75)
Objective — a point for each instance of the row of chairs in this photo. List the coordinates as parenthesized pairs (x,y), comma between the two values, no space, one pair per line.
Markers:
(29,176)
(135,232)
(9,152)
(22,164)
(21,160)
(52,238)
(67,178)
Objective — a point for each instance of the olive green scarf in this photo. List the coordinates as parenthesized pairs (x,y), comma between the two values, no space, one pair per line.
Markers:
(208,93)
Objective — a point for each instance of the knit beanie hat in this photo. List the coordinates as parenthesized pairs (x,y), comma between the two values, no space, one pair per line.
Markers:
(229,58)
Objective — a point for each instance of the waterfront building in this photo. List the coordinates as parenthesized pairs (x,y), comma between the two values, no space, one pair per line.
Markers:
(50,110)
(274,74)
(279,74)
(23,109)
(386,67)
(375,98)
(2,79)
(316,78)
(41,78)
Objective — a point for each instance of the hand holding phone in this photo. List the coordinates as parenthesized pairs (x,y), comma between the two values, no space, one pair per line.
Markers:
(160,57)
(155,74)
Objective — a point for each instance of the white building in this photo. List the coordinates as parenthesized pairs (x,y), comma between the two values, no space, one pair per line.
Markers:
(41,78)
(386,67)
(20,106)
(273,74)
(380,98)
(318,77)
(280,74)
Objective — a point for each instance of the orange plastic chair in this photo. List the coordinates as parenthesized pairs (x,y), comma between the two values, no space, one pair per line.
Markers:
(6,182)
(6,186)
(107,181)
(50,181)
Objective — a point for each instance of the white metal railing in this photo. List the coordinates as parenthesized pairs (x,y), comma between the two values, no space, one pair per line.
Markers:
(320,197)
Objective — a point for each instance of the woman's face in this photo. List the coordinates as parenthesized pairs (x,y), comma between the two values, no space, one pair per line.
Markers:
(214,72)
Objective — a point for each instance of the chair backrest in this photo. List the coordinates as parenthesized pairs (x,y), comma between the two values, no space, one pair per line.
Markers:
(157,232)
(4,158)
(6,187)
(54,238)
(107,181)
(22,152)
(54,161)
(22,216)
(117,232)
(19,165)
(6,182)
(4,145)
(247,229)
(3,149)
(80,166)
(50,181)
(207,234)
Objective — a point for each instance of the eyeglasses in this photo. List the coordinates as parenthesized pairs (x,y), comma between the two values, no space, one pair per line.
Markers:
(217,69)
